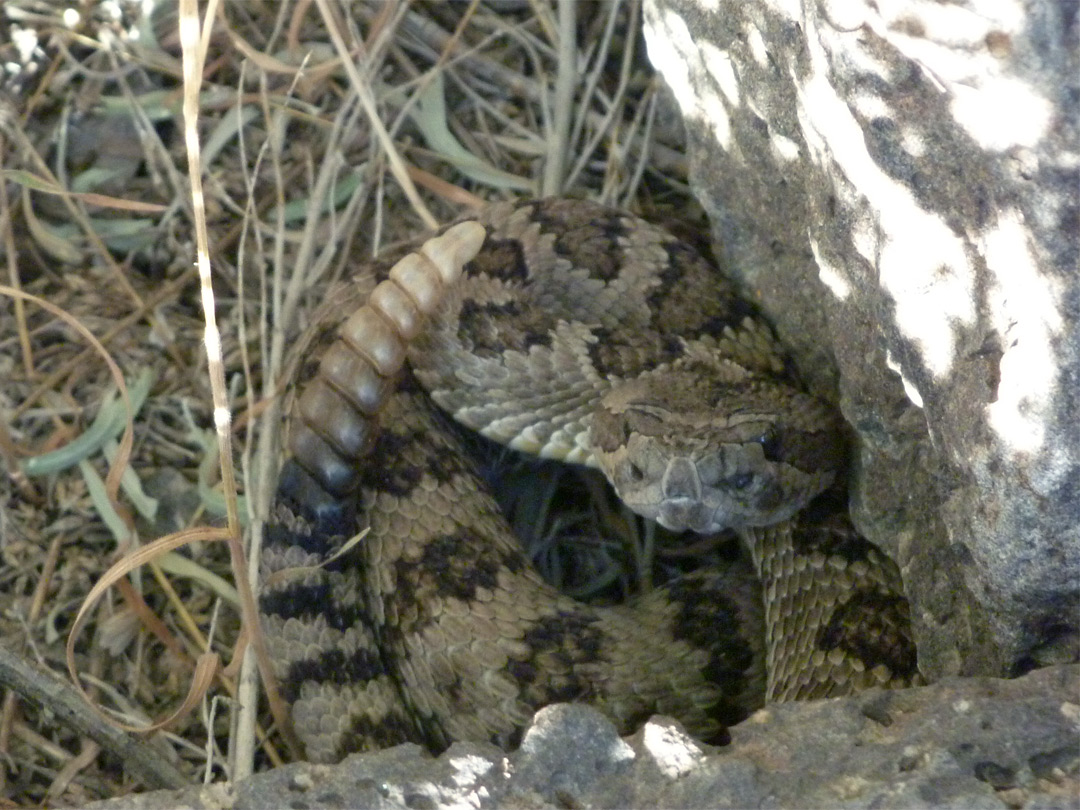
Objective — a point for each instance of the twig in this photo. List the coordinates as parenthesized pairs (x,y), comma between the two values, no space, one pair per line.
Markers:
(50,692)
(37,603)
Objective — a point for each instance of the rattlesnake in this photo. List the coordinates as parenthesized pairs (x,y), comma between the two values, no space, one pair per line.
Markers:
(583,333)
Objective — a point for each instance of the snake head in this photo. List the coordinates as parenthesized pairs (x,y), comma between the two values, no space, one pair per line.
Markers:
(705,455)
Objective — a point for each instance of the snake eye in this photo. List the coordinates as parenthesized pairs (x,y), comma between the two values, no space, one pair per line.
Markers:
(634,472)
(739,480)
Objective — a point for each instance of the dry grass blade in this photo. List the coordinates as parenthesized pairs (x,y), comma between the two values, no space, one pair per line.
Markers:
(206,665)
(362,90)
(194,52)
(112,483)
(77,215)
(312,159)
(103,200)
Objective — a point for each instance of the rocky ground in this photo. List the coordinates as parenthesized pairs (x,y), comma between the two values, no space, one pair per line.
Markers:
(962,743)
(898,187)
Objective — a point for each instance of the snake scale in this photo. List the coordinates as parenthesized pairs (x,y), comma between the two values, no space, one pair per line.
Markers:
(587,334)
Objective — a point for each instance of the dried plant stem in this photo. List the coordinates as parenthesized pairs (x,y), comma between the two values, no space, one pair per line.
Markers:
(50,383)
(643,158)
(363,92)
(602,128)
(78,215)
(13,268)
(242,754)
(565,81)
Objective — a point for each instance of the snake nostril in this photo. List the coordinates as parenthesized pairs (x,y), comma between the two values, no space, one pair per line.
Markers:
(770,445)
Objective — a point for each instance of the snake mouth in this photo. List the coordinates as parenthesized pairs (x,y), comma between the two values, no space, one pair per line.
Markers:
(681,506)
(685,514)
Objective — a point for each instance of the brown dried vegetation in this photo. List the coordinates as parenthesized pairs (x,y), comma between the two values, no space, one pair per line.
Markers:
(476,101)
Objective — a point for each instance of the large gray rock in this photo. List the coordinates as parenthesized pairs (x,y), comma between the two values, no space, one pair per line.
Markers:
(899,190)
(961,743)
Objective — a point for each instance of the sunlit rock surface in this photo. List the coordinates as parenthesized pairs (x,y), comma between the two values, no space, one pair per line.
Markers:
(897,184)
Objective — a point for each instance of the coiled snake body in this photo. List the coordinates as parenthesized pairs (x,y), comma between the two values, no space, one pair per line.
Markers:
(582,333)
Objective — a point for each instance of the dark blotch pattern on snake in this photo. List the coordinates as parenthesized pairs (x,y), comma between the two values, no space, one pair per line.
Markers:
(586,334)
